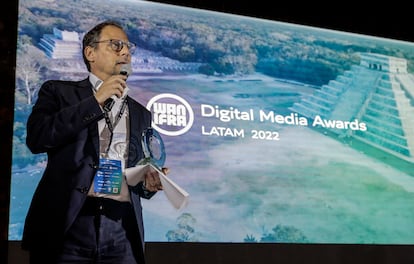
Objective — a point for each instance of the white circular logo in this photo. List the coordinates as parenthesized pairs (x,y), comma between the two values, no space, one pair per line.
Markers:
(171,114)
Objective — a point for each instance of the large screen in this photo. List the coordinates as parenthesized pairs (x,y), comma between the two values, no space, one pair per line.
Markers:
(280,133)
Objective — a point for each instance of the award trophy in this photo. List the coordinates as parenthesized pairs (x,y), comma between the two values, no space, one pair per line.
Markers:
(154,159)
(154,149)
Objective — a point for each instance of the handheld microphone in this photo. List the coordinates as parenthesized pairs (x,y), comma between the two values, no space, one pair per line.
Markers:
(126,70)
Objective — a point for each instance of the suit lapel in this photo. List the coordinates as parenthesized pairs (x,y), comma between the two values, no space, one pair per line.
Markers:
(84,91)
(136,128)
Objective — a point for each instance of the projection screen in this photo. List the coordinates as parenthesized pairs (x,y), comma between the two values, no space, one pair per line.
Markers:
(280,133)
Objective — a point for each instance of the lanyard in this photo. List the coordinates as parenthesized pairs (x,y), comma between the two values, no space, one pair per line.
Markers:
(111,126)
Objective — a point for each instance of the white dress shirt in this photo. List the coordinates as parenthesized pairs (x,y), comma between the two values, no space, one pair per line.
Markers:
(118,149)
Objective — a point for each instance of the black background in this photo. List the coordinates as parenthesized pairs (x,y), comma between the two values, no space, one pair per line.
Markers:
(386,19)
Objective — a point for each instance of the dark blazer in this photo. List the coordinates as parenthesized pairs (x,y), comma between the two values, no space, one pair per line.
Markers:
(64,124)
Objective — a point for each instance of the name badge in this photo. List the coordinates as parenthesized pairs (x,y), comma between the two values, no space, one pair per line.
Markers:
(108,178)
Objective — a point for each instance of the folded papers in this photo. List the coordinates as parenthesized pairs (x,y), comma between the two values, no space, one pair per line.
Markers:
(175,194)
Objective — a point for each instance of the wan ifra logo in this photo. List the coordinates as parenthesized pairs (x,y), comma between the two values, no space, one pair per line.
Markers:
(171,114)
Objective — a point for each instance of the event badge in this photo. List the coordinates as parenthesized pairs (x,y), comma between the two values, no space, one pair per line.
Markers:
(153,147)
(108,178)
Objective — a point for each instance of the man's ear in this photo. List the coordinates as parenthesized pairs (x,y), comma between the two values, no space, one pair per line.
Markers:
(89,53)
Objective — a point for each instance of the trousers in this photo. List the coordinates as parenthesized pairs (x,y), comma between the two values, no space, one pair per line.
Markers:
(104,232)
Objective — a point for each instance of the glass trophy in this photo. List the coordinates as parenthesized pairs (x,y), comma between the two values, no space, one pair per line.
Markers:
(153,147)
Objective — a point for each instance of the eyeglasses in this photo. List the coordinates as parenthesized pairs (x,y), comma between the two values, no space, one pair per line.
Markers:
(117,45)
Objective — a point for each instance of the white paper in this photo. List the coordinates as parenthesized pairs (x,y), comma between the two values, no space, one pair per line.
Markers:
(175,194)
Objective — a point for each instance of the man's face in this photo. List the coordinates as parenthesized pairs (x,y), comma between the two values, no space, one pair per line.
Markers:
(105,61)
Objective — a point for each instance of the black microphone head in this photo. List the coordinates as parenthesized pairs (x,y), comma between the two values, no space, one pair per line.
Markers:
(126,69)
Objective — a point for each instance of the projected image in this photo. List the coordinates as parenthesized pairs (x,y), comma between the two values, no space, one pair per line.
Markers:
(280,133)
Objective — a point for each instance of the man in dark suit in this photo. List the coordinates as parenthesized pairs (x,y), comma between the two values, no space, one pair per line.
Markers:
(83,210)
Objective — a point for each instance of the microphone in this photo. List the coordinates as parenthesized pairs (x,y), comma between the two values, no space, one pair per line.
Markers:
(126,70)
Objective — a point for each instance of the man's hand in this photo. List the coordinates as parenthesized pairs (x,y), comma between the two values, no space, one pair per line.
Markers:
(114,85)
(152,180)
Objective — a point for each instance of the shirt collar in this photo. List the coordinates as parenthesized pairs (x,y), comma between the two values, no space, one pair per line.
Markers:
(95,81)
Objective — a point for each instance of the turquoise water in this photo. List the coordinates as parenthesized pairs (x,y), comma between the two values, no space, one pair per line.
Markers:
(312,187)
(326,190)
